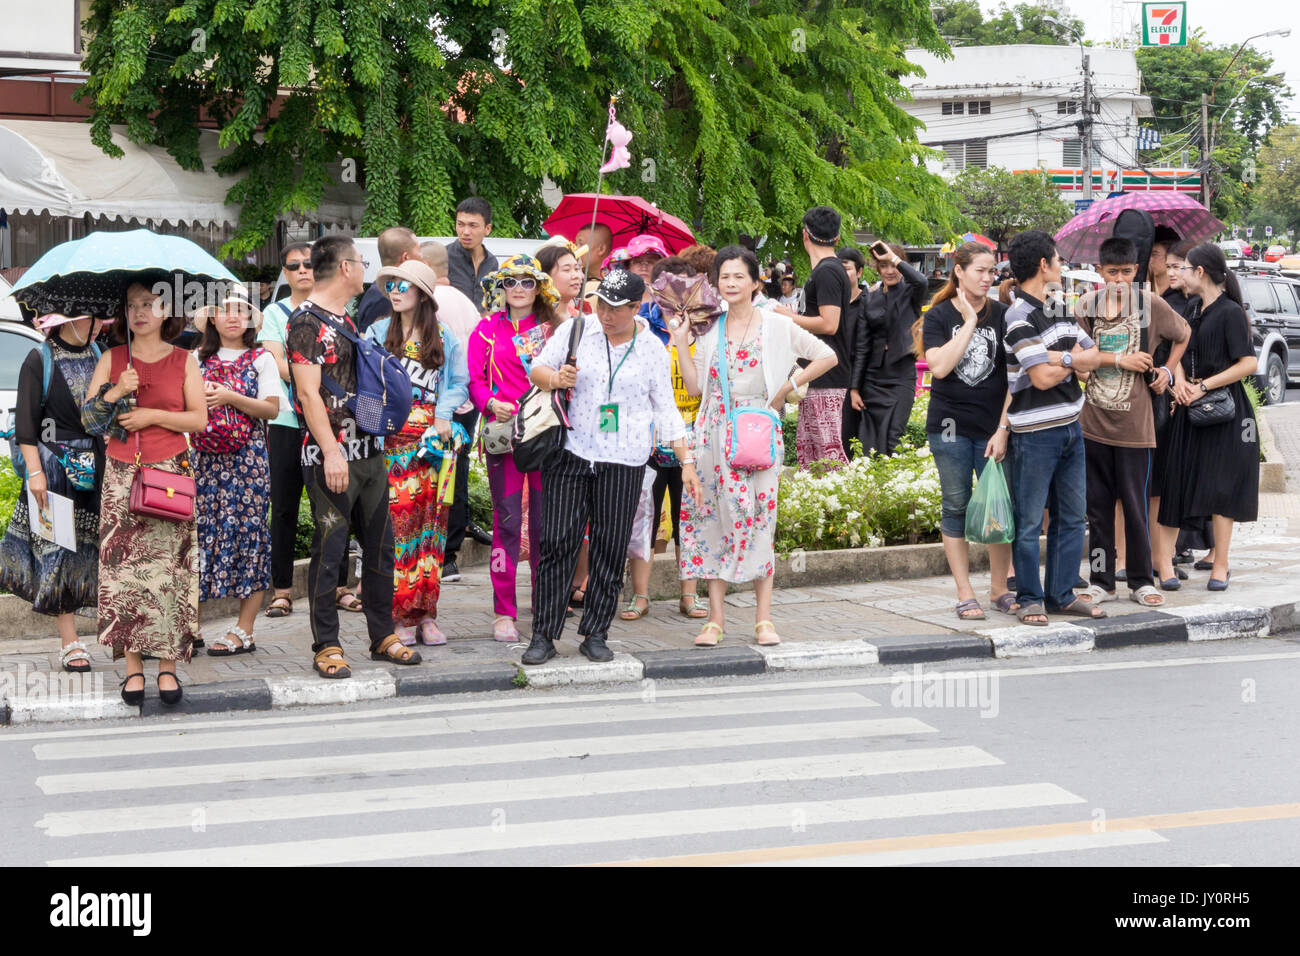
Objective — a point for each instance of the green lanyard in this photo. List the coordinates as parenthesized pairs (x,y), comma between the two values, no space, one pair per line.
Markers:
(609,358)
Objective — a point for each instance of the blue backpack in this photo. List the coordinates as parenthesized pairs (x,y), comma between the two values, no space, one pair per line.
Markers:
(47,371)
(383,399)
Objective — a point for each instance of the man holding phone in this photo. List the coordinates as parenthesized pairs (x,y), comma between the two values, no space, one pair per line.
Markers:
(826,296)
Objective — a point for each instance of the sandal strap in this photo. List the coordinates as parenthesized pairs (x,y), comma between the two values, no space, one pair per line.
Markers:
(330,655)
(758,624)
(388,643)
(76,648)
(711,624)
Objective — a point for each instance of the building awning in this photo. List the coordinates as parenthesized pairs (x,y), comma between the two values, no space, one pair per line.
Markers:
(53,167)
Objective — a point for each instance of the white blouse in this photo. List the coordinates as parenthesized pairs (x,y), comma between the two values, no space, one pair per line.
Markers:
(642,388)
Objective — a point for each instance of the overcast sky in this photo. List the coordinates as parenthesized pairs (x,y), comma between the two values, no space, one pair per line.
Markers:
(1224,21)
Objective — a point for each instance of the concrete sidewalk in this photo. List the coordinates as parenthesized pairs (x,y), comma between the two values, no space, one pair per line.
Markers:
(822,625)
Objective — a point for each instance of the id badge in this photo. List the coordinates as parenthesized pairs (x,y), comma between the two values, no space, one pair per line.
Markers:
(609,417)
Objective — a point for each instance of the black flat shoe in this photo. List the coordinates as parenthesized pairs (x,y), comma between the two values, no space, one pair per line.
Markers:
(133,698)
(1204,565)
(540,650)
(1182,575)
(595,650)
(169,697)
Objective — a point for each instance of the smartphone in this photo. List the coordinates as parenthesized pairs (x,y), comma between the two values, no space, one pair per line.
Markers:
(880,250)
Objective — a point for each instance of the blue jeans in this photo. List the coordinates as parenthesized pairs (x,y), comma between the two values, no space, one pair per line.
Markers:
(956,459)
(1049,470)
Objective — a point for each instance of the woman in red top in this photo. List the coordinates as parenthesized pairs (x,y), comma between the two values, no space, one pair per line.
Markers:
(148,568)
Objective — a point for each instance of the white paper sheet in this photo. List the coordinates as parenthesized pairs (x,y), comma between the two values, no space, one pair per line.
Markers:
(56,522)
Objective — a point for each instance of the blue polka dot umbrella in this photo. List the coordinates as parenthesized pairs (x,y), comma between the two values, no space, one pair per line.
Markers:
(90,276)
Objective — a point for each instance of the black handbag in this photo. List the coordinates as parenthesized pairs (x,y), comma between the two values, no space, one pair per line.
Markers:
(542,423)
(1215,407)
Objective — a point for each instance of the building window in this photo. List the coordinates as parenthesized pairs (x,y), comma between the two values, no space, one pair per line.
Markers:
(1066,107)
(953,108)
(1072,154)
(959,156)
(981,107)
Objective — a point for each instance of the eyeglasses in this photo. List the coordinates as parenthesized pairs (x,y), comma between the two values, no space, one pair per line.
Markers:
(528,285)
(399,287)
(365,263)
(1185,268)
(295,266)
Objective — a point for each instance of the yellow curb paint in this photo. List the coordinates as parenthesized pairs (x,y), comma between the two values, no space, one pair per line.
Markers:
(1163,821)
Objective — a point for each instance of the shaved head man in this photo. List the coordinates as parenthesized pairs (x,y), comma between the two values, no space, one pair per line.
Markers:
(396,245)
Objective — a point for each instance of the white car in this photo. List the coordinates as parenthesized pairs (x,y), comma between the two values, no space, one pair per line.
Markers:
(9,311)
(16,341)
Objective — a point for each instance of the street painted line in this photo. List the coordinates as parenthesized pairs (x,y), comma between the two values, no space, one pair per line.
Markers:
(497,792)
(665,741)
(751,685)
(983,851)
(1163,821)
(598,715)
(421,844)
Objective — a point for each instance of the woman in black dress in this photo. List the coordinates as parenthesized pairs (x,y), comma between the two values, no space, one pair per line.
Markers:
(1213,470)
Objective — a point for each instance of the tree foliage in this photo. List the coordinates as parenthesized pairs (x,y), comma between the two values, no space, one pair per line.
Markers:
(963,23)
(1001,203)
(1278,191)
(743,114)
(1249,101)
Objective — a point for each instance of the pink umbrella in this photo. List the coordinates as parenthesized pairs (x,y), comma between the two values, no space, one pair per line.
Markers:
(626,216)
(1080,239)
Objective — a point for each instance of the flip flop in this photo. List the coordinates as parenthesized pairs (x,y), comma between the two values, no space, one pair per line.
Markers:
(1081,608)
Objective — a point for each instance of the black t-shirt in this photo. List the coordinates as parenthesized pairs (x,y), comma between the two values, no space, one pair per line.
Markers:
(310,341)
(971,395)
(829,285)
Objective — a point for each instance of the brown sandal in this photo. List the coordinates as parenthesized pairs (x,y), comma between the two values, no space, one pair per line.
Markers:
(354,605)
(329,663)
(281,606)
(392,649)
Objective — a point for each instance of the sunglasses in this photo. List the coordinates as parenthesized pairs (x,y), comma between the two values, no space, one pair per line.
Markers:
(399,287)
(295,266)
(528,285)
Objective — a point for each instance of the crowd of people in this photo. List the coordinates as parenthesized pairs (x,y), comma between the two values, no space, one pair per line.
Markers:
(660,405)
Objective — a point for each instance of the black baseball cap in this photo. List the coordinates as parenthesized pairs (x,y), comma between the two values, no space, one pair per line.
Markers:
(621,287)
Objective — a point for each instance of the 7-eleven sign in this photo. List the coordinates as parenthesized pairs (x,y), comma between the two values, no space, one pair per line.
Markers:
(1164,24)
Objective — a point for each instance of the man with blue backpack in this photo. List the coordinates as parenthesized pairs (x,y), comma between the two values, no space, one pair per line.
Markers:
(349,393)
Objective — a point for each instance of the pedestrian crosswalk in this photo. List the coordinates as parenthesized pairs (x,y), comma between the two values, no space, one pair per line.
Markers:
(815,773)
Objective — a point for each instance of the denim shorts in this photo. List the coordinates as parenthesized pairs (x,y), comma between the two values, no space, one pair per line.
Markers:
(959,461)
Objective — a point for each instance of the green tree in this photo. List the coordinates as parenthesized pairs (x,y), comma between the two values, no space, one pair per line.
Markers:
(1278,191)
(1249,101)
(743,114)
(1000,203)
(963,23)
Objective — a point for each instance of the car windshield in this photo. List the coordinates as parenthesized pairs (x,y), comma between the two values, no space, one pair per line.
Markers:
(13,349)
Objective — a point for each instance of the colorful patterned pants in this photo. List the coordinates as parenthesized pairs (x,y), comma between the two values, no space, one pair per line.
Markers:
(820,433)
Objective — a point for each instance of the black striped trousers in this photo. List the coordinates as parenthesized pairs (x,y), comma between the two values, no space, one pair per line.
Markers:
(577,494)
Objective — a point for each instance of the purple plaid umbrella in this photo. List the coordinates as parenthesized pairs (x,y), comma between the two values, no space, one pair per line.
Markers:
(1080,239)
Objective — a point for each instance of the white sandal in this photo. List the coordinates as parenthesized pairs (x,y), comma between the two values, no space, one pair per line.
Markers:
(76,651)
(1141,594)
(1095,594)
(229,648)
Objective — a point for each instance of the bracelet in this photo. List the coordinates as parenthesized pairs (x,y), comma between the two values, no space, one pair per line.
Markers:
(686,461)
(555,373)
(793,384)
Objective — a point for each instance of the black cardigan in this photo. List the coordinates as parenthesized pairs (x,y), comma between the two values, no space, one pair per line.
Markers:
(885,351)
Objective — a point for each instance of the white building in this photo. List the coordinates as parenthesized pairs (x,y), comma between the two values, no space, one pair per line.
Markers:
(1019,106)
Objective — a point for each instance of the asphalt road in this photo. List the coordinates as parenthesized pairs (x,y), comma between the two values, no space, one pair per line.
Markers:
(1176,755)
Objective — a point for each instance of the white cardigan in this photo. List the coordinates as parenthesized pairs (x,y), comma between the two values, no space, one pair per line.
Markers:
(783,344)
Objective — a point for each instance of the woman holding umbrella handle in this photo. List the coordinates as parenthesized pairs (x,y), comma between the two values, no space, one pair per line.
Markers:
(148,568)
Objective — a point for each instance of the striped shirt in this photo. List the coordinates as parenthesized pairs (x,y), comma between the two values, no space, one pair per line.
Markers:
(1030,336)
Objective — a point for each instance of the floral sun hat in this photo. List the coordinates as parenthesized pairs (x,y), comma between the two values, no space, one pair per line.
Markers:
(616,259)
(521,267)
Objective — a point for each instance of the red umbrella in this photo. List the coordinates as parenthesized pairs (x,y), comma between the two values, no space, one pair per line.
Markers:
(1080,239)
(626,216)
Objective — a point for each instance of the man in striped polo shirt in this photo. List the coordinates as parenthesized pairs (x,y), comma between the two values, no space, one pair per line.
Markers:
(1045,348)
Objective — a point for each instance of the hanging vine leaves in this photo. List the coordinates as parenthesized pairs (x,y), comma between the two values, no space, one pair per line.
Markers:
(743,115)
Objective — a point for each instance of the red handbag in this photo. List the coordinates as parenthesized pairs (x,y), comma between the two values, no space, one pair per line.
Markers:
(160,494)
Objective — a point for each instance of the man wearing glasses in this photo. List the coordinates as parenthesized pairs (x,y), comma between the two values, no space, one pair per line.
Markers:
(343,466)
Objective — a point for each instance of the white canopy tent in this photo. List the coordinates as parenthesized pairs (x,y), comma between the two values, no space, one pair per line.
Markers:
(53,168)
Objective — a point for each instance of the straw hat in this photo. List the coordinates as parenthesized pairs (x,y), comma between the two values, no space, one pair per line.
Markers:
(415,271)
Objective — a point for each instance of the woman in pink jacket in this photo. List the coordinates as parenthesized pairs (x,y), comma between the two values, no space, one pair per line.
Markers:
(520,299)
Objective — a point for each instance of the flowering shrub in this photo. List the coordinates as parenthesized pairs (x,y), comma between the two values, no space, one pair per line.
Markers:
(868,503)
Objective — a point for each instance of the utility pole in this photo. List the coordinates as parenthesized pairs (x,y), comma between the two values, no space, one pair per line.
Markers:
(1087,130)
(1205,150)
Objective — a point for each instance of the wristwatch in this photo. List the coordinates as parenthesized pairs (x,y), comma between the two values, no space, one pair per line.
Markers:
(1204,390)
(1067,360)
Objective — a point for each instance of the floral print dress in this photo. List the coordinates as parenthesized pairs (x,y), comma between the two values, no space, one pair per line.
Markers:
(731,535)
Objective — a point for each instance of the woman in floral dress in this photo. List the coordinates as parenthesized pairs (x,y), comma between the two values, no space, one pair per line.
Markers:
(728,538)
(418,488)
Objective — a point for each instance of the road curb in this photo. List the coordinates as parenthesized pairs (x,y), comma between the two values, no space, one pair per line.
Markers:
(1204,622)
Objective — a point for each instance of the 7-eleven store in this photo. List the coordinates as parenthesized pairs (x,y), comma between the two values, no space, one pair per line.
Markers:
(1108,181)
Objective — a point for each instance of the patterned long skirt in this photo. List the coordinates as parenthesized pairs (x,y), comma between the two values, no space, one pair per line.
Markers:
(234,540)
(417,498)
(148,573)
(54,580)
